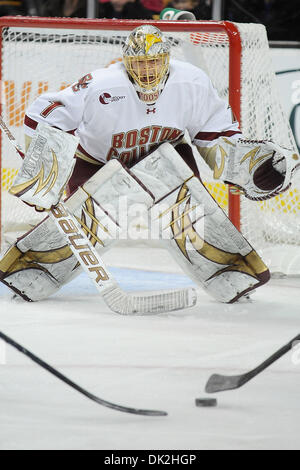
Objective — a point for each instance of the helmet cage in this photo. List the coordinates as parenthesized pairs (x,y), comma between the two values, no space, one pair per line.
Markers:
(148,71)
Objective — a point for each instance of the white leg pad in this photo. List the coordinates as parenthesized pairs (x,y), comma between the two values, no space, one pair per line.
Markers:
(200,236)
(41,261)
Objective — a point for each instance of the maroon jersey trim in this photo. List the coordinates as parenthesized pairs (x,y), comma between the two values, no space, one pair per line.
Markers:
(30,122)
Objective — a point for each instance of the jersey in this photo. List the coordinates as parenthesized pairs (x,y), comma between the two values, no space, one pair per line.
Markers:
(105,112)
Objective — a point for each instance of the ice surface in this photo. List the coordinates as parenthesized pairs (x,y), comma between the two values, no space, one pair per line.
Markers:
(158,362)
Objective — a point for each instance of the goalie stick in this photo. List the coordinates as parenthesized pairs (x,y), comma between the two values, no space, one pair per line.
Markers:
(79,389)
(222,383)
(118,300)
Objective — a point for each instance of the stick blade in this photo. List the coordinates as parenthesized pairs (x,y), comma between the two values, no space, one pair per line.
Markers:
(222,383)
(124,409)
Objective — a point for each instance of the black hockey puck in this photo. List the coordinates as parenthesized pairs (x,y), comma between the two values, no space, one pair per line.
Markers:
(206,402)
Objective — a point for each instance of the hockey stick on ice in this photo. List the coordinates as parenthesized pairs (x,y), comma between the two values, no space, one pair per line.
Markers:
(118,300)
(222,383)
(79,389)
(88,257)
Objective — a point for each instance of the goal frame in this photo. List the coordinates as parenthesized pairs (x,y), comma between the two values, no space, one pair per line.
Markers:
(225,27)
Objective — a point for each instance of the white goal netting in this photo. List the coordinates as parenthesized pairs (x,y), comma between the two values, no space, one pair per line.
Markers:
(37,59)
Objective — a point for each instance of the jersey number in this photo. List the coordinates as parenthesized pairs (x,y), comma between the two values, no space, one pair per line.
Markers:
(52,106)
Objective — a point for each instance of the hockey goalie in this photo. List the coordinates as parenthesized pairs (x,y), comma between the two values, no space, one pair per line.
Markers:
(119,132)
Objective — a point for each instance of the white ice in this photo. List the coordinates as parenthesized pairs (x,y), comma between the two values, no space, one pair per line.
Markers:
(159,362)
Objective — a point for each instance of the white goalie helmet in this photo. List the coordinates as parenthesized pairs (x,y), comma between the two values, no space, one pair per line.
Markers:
(146,56)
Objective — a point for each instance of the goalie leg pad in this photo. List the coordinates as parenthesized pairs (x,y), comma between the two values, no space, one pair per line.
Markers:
(208,247)
(199,234)
(41,262)
(47,167)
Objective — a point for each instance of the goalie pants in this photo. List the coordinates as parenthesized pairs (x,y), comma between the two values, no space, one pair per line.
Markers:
(84,170)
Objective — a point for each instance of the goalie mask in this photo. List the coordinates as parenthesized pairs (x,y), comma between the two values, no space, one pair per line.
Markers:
(146,56)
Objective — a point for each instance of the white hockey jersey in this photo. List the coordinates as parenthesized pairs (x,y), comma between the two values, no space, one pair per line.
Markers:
(104,111)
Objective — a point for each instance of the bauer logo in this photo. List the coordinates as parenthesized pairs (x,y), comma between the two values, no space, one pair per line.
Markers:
(106,98)
(78,243)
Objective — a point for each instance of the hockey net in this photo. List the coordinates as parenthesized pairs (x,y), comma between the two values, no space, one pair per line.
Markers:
(39,55)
